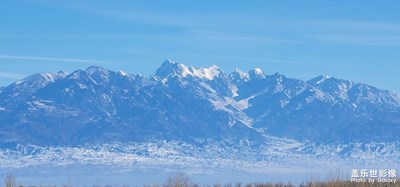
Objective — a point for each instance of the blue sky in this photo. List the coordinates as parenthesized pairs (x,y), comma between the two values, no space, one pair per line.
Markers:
(357,40)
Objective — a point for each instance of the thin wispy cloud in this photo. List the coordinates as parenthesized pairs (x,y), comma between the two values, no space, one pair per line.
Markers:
(242,37)
(139,17)
(131,15)
(192,25)
(358,26)
(55,59)
(248,38)
(11,75)
(353,39)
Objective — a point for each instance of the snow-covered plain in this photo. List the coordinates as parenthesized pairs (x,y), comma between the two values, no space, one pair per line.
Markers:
(290,159)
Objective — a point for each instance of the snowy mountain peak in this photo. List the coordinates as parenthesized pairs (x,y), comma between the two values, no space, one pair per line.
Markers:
(257,73)
(238,76)
(33,83)
(42,78)
(169,61)
(242,74)
(168,68)
(75,75)
(123,73)
(97,70)
(318,80)
(208,73)
(171,69)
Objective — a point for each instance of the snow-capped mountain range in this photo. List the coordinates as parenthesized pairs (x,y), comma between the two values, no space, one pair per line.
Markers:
(196,114)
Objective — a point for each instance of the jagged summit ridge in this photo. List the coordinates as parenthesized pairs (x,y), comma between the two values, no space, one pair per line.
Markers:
(319,79)
(238,76)
(42,78)
(97,70)
(257,73)
(171,68)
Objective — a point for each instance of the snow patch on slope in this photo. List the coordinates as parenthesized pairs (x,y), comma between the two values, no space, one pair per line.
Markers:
(242,104)
(226,105)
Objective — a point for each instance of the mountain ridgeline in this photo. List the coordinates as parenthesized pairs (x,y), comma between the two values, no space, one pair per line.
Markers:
(193,105)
